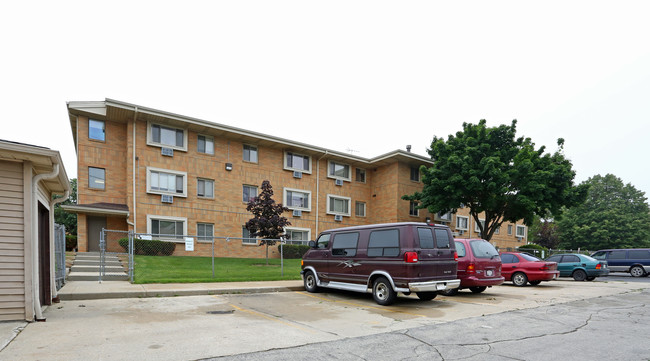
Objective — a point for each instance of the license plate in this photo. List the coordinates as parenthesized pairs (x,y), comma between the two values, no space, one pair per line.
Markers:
(489,273)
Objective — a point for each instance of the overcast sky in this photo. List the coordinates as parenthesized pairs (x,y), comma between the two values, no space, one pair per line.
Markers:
(366,77)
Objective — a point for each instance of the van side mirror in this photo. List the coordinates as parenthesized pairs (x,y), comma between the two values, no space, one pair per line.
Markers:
(312,244)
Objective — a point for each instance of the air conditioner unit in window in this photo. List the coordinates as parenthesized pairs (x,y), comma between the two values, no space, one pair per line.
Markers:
(166,198)
(338,182)
(455,234)
(297,213)
(519,238)
(338,218)
(297,174)
(168,152)
(461,232)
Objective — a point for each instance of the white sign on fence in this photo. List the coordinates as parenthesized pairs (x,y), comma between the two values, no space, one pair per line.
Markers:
(189,244)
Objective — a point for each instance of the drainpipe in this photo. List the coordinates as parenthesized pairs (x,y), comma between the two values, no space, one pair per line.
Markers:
(135,118)
(35,264)
(54,202)
(317,186)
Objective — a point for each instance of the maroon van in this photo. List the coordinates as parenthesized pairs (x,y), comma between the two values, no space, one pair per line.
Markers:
(383,259)
(479,266)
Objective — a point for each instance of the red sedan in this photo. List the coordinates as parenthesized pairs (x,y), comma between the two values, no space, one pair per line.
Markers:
(522,268)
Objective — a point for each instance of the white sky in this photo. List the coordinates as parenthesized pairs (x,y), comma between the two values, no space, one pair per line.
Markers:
(370,76)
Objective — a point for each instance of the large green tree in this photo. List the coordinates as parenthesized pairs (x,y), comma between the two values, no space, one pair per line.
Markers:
(69,220)
(491,171)
(614,215)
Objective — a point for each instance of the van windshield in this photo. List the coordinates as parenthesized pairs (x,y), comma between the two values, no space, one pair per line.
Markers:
(483,249)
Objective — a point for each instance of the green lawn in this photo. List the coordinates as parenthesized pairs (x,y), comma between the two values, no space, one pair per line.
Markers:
(172,269)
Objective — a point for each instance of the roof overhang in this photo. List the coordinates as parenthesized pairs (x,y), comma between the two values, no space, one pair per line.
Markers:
(95,210)
(42,160)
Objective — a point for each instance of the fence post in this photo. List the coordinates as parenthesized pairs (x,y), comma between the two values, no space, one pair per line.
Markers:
(131,261)
(212,257)
(102,250)
(281,257)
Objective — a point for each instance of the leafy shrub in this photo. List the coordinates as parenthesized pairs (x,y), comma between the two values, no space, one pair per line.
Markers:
(534,249)
(294,250)
(149,247)
(70,242)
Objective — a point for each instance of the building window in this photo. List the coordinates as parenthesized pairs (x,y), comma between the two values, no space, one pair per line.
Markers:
(246,236)
(360,209)
(297,199)
(250,153)
(498,230)
(205,232)
(445,217)
(163,136)
(510,230)
(96,178)
(249,193)
(298,235)
(161,181)
(205,144)
(338,205)
(462,223)
(205,188)
(521,231)
(297,162)
(482,221)
(413,209)
(415,174)
(360,175)
(338,171)
(96,129)
(171,228)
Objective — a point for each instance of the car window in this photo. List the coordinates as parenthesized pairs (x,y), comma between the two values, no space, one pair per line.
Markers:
(323,241)
(600,255)
(529,257)
(460,249)
(590,259)
(617,255)
(554,259)
(345,244)
(384,243)
(483,249)
(638,254)
(442,238)
(509,258)
(426,238)
(569,258)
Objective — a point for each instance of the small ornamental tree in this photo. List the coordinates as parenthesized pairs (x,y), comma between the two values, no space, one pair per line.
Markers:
(69,220)
(267,222)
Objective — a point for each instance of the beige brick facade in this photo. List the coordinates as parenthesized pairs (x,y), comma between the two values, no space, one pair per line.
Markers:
(387,178)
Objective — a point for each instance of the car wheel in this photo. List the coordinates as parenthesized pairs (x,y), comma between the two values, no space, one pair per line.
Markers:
(478,289)
(450,292)
(591,278)
(310,282)
(519,279)
(535,283)
(579,275)
(426,296)
(382,292)
(637,271)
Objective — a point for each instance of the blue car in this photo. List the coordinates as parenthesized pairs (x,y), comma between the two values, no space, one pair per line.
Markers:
(579,266)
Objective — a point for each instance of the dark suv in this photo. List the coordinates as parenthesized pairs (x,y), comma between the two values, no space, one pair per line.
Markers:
(383,259)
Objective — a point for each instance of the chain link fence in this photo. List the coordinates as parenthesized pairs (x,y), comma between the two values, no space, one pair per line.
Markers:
(59,255)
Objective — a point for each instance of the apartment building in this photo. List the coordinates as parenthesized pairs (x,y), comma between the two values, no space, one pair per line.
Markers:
(171,175)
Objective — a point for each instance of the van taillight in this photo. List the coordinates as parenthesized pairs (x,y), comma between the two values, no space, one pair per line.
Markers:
(471,268)
(455,256)
(411,257)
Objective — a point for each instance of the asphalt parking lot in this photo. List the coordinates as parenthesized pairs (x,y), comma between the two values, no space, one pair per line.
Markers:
(196,327)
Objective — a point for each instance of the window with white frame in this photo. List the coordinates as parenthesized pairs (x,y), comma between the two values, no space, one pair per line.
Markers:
(246,236)
(298,234)
(297,162)
(205,188)
(360,175)
(338,170)
(167,228)
(462,223)
(165,136)
(482,221)
(510,230)
(205,232)
(163,181)
(338,205)
(96,129)
(360,209)
(446,217)
(250,153)
(205,144)
(248,193)
(297,199)
(521,231)
(96,178)
(413,209)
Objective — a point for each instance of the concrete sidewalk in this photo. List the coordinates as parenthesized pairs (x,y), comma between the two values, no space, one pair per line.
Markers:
(91,290)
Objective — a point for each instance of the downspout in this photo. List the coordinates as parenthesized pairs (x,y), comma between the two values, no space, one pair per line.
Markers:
(135,118)
(53,203)
(35,264)
(317,186)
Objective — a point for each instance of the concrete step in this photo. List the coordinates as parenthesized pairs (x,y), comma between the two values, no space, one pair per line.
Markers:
(96,263)
(93,258)
(94,276)
(95,268)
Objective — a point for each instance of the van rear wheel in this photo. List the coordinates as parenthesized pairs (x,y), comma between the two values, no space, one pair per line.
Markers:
(637,271)
(382,292)
(426,296)
(310,282)
(450,292)
(478,289)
